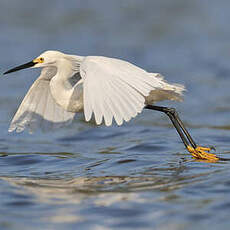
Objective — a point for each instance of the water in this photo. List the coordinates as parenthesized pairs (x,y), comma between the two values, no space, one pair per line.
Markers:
(137,176)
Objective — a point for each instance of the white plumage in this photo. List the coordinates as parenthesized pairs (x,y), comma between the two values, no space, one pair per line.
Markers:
(38,108)
(106,87)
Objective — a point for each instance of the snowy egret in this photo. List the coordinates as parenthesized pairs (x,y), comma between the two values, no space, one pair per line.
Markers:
(109,88)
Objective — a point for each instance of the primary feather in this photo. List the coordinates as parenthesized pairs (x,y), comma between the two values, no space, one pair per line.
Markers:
(114,88)
(38,108)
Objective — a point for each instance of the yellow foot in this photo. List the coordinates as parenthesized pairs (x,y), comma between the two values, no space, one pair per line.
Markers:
(199,153)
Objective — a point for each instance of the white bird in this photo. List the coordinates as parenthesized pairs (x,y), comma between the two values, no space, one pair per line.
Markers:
(109,88)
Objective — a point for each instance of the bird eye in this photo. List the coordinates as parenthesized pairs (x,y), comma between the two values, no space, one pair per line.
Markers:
(41,60)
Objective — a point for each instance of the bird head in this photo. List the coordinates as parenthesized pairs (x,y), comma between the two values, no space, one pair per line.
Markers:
(48,58)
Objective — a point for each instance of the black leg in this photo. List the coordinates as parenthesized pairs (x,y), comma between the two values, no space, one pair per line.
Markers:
(197,151)
(179,131)
(178,124)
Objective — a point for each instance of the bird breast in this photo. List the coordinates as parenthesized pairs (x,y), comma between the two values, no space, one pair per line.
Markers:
(70,99)
(76,100)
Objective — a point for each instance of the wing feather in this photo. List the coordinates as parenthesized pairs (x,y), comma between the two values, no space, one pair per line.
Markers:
(38,108)
(88,110)
(114,89)
(128,107)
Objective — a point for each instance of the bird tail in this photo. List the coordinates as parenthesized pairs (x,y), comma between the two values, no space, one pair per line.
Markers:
(167,91)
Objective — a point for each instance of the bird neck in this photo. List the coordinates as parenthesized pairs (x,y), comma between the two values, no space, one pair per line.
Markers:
(68,66)
(64,70)
(61,88)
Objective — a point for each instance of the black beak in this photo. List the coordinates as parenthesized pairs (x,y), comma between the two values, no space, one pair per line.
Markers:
(24,66)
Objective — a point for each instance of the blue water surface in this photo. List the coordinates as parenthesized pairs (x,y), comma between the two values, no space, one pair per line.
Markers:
(137,176)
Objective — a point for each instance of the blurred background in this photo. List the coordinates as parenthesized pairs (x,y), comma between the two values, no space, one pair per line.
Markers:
(137,176)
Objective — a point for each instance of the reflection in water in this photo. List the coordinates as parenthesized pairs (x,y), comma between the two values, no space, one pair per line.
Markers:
(84,198)
(117,188)
(73,191)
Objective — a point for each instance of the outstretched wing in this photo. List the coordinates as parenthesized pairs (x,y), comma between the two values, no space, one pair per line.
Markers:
(114,89)
(38,108)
